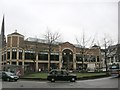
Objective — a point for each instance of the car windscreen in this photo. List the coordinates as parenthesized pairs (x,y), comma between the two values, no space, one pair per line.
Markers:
(10,74)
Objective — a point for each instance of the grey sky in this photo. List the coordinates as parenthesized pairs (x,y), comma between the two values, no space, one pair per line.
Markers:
(68,17)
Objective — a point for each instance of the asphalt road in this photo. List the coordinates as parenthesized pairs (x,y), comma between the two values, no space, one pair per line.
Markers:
(95,83)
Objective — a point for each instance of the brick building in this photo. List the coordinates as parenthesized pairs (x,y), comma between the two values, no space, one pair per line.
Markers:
(33,53)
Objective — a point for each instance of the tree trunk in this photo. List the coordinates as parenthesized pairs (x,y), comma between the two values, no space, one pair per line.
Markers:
(49,64)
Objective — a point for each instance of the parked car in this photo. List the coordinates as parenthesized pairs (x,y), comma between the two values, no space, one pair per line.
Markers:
(61,75)
(8,76)
(115,70)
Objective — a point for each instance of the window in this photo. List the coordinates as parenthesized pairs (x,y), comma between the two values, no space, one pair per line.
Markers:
(20,63)
(14,54)
(98,59)
(20,55)
(86,58)
(4,56)
(30,56)
(8,55)
(54,57)
(27,55)
(42,56)
(78,58)
(92,58)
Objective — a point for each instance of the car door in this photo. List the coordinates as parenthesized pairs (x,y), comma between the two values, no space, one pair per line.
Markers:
(4,76)
(59,75)
(65,76)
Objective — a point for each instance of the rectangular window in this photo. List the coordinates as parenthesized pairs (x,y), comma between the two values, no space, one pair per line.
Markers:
(20,55)
(27,56)
(14,55)
(54,57)
(20,63)
(43,57)
(4,56)
(30,56)
(98,59)
(78,57)
(8,55)
(92,58)
(86,58)
(13,63)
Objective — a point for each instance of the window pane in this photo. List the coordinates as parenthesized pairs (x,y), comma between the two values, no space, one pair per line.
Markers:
(54,57)
(8,55)
(20,55)
(14,55)
(4,56)
(78,58)
(43,56)
(27,56)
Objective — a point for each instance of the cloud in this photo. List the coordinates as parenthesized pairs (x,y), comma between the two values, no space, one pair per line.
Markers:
(69,17)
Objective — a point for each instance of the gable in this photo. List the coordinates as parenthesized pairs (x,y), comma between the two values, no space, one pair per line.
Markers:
(67,44)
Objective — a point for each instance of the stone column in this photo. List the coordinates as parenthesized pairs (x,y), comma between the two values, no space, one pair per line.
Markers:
(17,61)
(6,56)
(114,59)
(95,62)
(60,57)
(36,63)
(10,56)
(74,61)
(110,60)
(23,58)
(60,60)
(49,62)
(11,51)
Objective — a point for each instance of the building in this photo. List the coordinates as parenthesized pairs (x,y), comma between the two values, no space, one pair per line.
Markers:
(33,53)
(113,54)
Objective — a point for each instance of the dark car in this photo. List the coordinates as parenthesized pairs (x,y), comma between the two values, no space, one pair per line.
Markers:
(8,76)
(61,75)
(115,70)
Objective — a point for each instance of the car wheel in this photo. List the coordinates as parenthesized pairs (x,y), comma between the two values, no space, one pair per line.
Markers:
(15,80)
(72,79)
(8,79)
(52,80)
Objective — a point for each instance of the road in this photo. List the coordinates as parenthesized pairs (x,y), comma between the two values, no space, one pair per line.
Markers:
(95,83)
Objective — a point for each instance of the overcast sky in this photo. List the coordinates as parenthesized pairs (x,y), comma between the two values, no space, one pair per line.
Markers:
(70,18)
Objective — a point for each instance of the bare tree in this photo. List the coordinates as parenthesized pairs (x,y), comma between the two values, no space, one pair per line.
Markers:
(107,42)
(51,38)
(32,49)
(83,43)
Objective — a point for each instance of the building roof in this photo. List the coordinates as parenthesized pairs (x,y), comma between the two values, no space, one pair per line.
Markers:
(95,46)
(16,33)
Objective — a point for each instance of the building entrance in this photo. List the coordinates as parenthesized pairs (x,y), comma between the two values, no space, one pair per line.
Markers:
(67,59)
